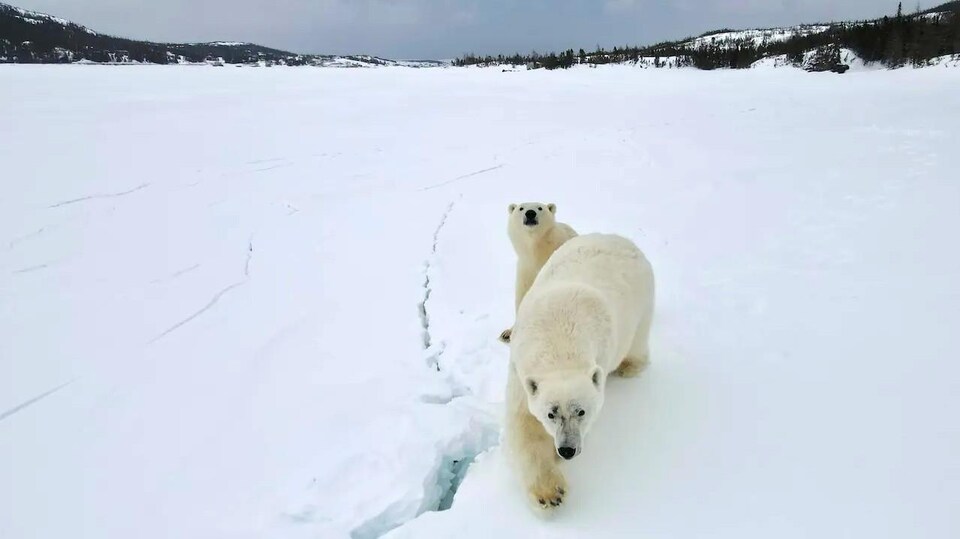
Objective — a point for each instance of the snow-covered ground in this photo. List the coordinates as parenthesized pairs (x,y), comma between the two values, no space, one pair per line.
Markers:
(949,60)
(848,58)
(217,287)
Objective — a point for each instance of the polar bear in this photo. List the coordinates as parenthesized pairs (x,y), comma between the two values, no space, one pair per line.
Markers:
(587,315)
(535,235)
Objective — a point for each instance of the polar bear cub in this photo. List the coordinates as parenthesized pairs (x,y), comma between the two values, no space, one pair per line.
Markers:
(535,235)
(587,315)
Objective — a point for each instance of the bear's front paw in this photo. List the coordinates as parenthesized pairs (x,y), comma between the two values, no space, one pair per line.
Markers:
(505,336)
(548,490)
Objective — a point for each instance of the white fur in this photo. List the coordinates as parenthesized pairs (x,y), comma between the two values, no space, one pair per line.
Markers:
(533,244)
(587,315)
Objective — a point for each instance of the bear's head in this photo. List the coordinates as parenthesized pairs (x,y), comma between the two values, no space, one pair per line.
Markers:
(566,404)
(532,218)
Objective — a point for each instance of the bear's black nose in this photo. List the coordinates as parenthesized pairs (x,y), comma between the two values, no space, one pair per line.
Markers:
(531,215)
(567,452)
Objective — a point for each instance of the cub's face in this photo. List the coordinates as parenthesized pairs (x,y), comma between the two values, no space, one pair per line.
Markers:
(566,404)
(532,217)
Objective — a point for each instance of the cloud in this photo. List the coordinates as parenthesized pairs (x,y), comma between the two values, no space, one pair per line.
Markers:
(621,6)
(441,28)
(399,12)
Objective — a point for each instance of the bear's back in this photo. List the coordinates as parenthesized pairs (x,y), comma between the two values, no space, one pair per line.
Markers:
(609,266)
(598,260)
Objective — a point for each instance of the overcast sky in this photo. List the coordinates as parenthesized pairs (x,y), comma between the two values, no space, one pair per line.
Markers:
(444,28)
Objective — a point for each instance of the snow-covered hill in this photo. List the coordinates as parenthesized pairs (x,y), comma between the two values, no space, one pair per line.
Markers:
(365,60)
(34,17)
(919,40)
(31,37)
(732,38)
(766,36)
(233,307)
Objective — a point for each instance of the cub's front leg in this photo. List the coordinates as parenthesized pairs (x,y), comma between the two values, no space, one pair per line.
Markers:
(525,277)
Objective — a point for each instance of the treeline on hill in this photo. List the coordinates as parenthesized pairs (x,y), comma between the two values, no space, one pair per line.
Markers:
(29,39)
(892,41)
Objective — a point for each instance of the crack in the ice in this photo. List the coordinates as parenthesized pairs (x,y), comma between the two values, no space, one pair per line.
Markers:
(457,470)
(434,359)
(104,195)
(23,405)
(246,265)
(477,438)
(458,178)
(204,309)
(175,274)
(261,161)
(30,269)
(213,301)
(456,461)
(13,243)
(272,167)
(441,484)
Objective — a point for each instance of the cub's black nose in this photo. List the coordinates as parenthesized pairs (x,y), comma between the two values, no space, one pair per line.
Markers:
(531,215)
(567,452)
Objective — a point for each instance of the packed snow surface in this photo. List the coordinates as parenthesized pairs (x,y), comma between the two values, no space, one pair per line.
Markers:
(255,303)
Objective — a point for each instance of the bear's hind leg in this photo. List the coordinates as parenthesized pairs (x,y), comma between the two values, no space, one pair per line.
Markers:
(638,357)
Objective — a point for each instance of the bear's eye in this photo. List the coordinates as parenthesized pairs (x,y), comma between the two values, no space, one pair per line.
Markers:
(551,416)
(581,413)
(540,208)
(521,208)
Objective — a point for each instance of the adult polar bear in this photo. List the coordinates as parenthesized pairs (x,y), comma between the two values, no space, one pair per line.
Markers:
(587,315)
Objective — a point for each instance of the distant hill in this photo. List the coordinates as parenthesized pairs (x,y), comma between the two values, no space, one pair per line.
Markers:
(31,37)
(931,37)
(949,7)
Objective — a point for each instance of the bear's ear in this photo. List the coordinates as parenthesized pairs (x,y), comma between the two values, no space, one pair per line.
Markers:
(531,385)
(552,208)
(596,376)
(511,207)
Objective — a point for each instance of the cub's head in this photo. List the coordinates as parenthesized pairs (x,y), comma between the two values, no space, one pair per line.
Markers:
(566,404)
(532,217)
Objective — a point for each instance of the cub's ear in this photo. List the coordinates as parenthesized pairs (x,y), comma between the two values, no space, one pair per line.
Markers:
(552,208)
(511,207)
(531,386)
(596,376)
